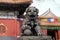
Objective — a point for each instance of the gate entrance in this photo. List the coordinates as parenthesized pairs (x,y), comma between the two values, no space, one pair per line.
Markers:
(52,33)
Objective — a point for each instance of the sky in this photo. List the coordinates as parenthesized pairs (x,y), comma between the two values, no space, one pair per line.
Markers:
(44,5)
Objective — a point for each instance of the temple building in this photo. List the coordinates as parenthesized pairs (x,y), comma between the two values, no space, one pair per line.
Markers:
(50,24)
(10,13)
(14,6)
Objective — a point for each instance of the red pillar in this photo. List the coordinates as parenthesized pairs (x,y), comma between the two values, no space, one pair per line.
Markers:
(58,34)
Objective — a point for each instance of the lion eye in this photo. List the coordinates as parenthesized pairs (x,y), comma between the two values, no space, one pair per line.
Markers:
(29,10)
(34,11)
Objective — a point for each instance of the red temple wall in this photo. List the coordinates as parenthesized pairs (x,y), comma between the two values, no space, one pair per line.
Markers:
(12,26)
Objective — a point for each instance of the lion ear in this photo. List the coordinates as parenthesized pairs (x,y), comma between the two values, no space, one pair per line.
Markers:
(37,10)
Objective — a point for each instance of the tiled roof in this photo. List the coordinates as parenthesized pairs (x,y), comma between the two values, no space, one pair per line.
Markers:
(15,1)
(48,13)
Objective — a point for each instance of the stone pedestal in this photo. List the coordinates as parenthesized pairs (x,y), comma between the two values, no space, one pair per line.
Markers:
(35,38)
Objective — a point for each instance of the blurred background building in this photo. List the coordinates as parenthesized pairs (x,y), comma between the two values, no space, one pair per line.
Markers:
(50,24)
(11,18)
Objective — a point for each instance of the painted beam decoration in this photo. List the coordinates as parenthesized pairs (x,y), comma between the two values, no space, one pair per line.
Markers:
(50,19)
(58,19)
(44,19)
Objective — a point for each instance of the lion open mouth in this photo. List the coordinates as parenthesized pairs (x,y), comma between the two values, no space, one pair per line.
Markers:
(32,16)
